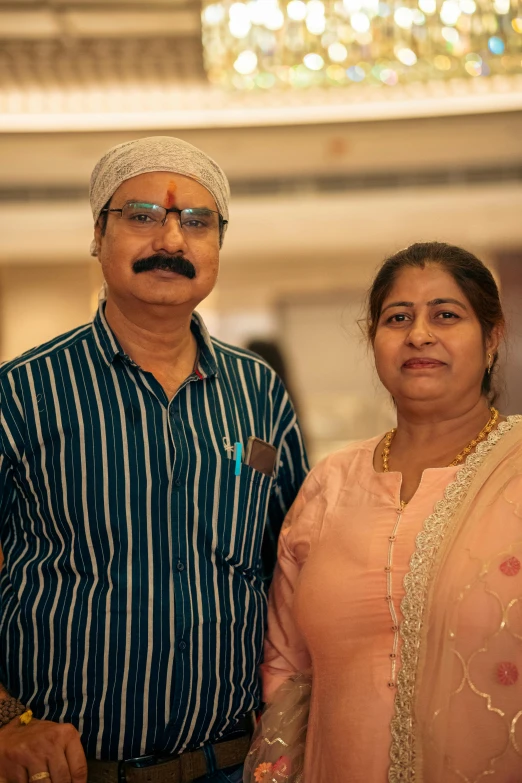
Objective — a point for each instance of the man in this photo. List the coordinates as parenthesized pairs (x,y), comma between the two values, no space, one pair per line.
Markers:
(145,469)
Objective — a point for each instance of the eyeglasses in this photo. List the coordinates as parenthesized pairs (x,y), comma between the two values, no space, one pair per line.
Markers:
(143,217)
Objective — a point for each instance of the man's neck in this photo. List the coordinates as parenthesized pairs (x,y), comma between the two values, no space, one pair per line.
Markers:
(159,341)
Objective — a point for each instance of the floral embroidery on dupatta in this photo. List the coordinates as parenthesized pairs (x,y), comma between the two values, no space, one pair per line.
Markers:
(416,584)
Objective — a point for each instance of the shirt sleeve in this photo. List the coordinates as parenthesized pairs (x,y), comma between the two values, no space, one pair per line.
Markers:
(292,471)
(9,453)
(5,484)
(285,649)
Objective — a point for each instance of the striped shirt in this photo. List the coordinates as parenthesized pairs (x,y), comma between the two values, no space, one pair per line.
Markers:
(132,596)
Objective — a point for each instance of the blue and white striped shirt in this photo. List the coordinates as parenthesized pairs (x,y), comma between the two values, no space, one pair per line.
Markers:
(132,598)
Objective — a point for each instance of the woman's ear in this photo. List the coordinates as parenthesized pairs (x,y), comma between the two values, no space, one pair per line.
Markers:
(494,340)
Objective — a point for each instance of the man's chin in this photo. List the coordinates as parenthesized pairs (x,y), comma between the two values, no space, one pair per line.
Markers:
(165,298)
(174,291)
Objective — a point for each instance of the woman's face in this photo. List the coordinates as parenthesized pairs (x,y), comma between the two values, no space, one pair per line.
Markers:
(429,346)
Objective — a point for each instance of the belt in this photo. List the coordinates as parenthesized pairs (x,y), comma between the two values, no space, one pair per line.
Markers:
(184,768)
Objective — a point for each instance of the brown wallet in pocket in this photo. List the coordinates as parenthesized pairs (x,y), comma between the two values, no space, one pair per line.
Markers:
(261,455)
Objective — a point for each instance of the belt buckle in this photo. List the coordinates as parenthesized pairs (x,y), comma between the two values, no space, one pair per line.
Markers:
(138,762)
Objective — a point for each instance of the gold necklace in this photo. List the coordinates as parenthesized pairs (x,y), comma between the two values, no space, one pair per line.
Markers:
(460,456)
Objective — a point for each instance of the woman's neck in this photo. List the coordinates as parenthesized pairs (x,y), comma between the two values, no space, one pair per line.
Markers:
(440,433)
(435,442)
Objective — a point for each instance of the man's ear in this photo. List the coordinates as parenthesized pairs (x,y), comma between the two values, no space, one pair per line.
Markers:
(98,237)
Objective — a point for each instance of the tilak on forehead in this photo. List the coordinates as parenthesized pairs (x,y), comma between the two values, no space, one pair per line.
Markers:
(170,198)
(155,153)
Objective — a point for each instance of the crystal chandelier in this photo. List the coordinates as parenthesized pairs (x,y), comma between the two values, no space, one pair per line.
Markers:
(264,43)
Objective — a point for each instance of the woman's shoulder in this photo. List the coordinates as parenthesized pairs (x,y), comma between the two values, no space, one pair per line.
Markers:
(333,471)
(321,489)
(357,455)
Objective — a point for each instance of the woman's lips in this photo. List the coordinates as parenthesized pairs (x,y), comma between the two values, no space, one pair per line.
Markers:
(422,364)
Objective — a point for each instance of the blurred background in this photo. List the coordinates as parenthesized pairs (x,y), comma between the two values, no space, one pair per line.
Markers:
(401,131)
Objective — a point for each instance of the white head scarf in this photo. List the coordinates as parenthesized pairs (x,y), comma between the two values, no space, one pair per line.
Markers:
(155,153)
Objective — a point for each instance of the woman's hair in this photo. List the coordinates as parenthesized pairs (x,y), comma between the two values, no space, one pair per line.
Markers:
(471,275)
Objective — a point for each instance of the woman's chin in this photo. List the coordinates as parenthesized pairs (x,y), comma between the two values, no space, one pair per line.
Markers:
(421,393)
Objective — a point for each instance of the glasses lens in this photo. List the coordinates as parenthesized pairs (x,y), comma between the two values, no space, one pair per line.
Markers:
(141,214)
(199,220)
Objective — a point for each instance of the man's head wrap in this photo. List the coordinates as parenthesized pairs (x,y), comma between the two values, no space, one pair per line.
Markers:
(155,153)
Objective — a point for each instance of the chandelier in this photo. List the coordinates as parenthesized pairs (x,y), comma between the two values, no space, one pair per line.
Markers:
(258,44)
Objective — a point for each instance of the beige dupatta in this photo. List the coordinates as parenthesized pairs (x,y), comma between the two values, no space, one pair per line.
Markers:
(458,709)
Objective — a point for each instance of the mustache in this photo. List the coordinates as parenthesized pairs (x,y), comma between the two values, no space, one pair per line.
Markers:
(178,264)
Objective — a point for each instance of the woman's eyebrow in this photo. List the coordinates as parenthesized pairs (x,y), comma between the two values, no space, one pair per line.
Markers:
(445,300)
(431,303)
(397,304)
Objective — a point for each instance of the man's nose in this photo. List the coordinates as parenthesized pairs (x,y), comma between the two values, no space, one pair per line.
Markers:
(170,236)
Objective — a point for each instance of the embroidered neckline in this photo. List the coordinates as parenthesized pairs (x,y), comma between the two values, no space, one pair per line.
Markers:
(416,584)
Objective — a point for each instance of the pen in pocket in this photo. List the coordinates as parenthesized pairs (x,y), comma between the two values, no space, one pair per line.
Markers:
(238,453)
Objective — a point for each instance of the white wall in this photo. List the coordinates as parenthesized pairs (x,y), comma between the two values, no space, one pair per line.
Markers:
(39,302)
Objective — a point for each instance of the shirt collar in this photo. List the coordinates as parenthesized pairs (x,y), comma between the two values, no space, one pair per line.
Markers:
(207,361)
(110,348)
(104,337)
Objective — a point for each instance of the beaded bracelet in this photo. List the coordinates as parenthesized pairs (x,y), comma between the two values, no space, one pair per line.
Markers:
(10,708)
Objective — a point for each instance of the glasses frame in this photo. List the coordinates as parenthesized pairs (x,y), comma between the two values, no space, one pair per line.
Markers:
(222,221)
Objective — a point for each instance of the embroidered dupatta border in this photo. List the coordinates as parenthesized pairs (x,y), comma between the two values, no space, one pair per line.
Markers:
(416,584)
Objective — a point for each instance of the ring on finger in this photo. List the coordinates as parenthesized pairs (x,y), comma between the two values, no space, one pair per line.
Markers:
(39,776)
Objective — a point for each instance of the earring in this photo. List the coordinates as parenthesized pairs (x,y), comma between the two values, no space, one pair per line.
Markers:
(490,363)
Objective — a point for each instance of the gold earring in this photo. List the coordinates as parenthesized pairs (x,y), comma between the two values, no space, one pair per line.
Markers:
(490,363)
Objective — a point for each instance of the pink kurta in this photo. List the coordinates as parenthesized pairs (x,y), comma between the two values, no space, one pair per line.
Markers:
(329,607)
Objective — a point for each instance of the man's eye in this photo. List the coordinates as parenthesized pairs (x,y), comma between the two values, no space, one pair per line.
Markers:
(196,223)
(142,218)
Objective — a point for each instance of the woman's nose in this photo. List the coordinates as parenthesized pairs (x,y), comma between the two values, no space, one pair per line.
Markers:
(420,334)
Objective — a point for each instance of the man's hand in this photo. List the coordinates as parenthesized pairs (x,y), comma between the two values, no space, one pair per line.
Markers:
(41,746)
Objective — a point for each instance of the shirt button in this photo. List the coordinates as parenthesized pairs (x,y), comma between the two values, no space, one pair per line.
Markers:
(177,483)
(182,646)
(180,566)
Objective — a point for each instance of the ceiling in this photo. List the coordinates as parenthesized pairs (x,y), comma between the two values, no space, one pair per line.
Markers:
(127,64)
(66,44)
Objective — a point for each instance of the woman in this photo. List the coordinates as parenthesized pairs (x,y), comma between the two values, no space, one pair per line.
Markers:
(399,581)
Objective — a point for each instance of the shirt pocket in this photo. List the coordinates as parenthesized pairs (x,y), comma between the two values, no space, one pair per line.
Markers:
(244,501)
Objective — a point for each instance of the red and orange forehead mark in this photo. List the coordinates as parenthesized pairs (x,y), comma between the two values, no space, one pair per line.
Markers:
(170,197)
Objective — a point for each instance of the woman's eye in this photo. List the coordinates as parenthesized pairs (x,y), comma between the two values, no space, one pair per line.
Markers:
(397,318)
(447,316)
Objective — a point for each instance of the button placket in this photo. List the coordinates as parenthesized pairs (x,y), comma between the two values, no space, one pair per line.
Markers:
(173,419)
(179,555)
(388,570)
